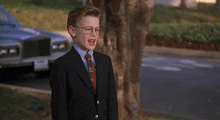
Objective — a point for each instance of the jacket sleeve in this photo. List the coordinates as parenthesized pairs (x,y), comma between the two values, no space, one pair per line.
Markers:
(112,95)
(58,87)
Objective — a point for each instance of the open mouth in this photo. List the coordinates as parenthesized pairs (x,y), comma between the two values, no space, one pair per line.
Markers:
(91,42)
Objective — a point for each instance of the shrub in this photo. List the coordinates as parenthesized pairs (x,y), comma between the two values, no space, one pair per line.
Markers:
(201,32)
(37,2)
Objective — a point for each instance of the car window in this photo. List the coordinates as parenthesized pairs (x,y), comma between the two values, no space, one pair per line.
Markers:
(3,17)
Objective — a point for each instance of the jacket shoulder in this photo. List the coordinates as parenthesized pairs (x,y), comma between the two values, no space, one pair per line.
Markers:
(103,56)
(62,60)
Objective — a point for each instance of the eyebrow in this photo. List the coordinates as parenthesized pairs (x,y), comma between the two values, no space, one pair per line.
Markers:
(91,26)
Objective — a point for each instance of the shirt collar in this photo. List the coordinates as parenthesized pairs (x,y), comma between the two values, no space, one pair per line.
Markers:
(82,52)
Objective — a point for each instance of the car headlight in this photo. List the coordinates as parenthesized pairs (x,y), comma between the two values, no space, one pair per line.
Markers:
(9,51)
(60,46)
(54,47)
(3,51)
(13,50)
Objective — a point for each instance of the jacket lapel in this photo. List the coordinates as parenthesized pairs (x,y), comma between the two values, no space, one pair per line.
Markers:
(78,65)
(99,67)
(98,62)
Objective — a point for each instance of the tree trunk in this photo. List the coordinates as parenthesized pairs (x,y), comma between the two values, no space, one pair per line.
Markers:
(183,4)
(125,25)
(217,5)
(83,2)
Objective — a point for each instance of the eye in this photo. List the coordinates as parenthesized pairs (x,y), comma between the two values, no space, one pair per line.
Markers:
(88,28)
(97,30)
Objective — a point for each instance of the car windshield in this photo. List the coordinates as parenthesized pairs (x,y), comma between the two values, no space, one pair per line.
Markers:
(3,17)
(4,20)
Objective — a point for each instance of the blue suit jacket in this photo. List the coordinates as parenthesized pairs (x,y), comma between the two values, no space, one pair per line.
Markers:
(73,96)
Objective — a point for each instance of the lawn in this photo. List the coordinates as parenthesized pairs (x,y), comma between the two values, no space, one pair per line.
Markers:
(47,14)
(20,104)
(17,104)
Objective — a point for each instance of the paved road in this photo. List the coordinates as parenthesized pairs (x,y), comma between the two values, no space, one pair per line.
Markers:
(163,2)
(179,86)
(187,87)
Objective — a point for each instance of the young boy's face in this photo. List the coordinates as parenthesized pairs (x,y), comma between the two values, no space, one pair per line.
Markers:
(86,32)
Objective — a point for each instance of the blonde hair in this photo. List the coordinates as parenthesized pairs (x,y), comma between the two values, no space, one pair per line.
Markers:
(78,13)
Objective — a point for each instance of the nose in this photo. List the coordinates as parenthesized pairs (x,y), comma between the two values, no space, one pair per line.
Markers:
(93,33)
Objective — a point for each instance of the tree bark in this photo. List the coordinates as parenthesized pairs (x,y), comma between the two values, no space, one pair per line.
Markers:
(83,2)
(125,24)
(217,5)
(183,4)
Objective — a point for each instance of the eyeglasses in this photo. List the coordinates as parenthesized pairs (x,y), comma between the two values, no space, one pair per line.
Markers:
(89,29)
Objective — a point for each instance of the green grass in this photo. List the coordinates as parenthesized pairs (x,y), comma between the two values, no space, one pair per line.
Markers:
(201,32)
(40,4)
(166,14)
(50,19)
(201,25)
(47,14)
(19,104)
(52,14)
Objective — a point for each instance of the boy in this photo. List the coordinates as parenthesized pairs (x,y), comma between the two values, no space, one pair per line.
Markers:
(82,81)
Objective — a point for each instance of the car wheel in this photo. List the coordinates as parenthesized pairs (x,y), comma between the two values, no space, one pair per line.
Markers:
(8,75)
(42,74)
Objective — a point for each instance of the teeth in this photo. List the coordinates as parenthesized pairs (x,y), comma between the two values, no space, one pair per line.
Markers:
(91,40)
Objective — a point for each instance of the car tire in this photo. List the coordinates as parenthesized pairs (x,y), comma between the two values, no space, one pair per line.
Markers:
(42,74)
(8,75)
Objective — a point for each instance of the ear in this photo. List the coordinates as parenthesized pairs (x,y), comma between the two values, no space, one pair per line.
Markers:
(72,31)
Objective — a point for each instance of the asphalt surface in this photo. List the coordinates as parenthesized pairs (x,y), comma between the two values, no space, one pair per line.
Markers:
(162,2)
(181,82)
(180,86)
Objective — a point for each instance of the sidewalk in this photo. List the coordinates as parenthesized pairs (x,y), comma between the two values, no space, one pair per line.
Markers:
(182,52)
(13,87)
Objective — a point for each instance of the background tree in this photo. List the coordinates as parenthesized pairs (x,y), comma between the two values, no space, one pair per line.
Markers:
(217,5)
(183,4)
(125,24)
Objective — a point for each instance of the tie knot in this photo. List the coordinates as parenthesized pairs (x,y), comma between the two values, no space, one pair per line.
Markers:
(88,56)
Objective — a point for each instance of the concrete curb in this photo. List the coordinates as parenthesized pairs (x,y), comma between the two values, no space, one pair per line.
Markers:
(12,87)
(181,52)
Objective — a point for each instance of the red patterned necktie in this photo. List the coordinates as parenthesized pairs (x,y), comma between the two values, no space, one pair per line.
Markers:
(92,70)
